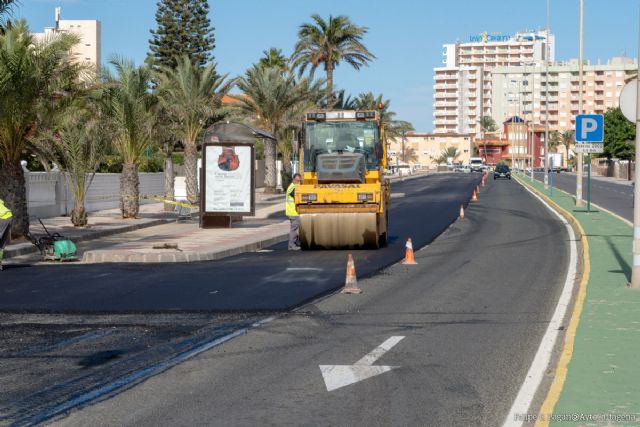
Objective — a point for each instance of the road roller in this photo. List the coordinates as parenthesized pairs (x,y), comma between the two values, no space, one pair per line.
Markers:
(343,200)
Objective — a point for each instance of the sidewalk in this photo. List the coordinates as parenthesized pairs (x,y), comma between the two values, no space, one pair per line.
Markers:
(101,224)
(605,179)
(110,238)
(603,379)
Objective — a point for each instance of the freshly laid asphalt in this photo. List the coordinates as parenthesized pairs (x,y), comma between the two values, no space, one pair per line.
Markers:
(271,280)
(618,198)
(472,313)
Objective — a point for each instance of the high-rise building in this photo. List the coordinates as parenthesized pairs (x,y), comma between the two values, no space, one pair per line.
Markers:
(522,91)
(462,87)
(88,51)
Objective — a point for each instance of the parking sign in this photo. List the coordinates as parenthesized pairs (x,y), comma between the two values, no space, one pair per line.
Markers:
(589,133)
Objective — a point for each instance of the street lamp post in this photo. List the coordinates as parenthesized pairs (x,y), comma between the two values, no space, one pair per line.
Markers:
(546,103)
(635,271)
(511,132)
(580,100)
(533,120)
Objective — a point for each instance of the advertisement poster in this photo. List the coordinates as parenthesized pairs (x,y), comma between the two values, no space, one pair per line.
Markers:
(228,179)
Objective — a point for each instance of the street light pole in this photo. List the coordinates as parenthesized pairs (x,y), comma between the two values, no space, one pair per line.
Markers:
(546,103)
(580,111)
(533,119)
(512,130)
(635,271)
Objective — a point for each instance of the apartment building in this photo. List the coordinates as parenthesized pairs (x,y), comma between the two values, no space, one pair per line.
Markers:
(463,86)
(424,149)
(523,90)
(88,51)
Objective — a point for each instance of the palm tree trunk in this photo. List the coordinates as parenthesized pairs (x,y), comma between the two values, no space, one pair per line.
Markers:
(270,177)
(191,170)
(169,188)
(129,190)
(79,214)
(331,101)
(14,193)
(77,181)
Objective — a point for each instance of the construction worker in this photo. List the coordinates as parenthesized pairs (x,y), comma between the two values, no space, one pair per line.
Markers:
(5,228)
(292,213)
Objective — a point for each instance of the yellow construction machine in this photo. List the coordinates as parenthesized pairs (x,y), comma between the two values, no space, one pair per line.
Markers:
(343,200)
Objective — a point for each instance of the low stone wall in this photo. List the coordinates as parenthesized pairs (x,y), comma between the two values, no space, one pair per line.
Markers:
(49,194)
(613,168)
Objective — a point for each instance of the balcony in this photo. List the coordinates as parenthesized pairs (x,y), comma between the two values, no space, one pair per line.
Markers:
(445,77)
(445,104)
(446,86)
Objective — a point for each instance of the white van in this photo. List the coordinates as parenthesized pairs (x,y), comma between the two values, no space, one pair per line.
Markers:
(476,164)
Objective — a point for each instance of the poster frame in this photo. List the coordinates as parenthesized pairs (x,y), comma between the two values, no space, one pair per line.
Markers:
(203,180)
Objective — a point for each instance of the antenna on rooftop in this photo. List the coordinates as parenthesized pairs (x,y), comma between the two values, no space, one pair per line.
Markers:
(58,12)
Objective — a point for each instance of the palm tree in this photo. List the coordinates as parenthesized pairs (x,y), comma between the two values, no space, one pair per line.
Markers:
(567,138)
(344,101)
(274,58)
(328,43)
(191,94)
(555,139)
(78,143)
(449,153)
(32,73)
(6,9)
(408,154)
(393,129)
(166,132)
(131,107)
(487,124)
(271,99)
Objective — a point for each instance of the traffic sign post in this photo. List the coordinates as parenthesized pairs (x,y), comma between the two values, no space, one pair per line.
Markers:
(630,106)
(589,139)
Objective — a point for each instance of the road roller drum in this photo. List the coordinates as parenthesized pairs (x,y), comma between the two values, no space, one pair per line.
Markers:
(339,230)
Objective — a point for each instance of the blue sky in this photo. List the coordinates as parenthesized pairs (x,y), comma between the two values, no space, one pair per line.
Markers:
(405,35)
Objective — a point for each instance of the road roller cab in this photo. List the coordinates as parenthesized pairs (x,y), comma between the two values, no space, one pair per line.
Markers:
(344,197)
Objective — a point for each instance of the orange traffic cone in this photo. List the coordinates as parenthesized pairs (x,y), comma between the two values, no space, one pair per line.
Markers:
(461,212)
(351,281)
(408,254)
(474,196)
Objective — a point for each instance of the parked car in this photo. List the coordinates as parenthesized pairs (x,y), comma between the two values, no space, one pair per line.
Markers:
(502,171)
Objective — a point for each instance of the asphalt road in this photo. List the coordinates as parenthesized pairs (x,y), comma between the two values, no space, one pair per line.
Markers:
(271,280)
(618,198)
(70,332)
(472,313)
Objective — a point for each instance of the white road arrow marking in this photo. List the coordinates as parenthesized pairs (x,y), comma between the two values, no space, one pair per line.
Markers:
(337,376)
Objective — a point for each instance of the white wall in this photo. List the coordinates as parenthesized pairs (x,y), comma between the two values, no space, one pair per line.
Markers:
(48,193)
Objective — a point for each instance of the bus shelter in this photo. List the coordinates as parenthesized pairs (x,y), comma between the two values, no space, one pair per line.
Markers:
(228,173)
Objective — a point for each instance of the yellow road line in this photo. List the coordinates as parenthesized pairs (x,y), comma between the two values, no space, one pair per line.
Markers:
(557,385)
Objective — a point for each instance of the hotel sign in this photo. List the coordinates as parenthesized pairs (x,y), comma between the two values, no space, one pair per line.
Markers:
(486,37)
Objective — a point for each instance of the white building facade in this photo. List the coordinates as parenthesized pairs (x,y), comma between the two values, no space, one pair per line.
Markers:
(463,86)
(89,50)
(522,91)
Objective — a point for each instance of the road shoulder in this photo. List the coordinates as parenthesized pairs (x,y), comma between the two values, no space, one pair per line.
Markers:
(596,378)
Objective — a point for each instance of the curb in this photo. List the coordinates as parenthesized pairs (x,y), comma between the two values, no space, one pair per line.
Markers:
(562,367)
(99,256)
(28,248)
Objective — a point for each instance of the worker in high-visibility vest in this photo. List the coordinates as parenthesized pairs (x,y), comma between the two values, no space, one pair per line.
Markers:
(292,213)
(5,228)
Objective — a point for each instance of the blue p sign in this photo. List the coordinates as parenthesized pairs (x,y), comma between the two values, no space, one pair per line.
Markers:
(589,128)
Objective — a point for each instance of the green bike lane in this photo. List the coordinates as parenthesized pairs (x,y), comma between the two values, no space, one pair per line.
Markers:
(602,382)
